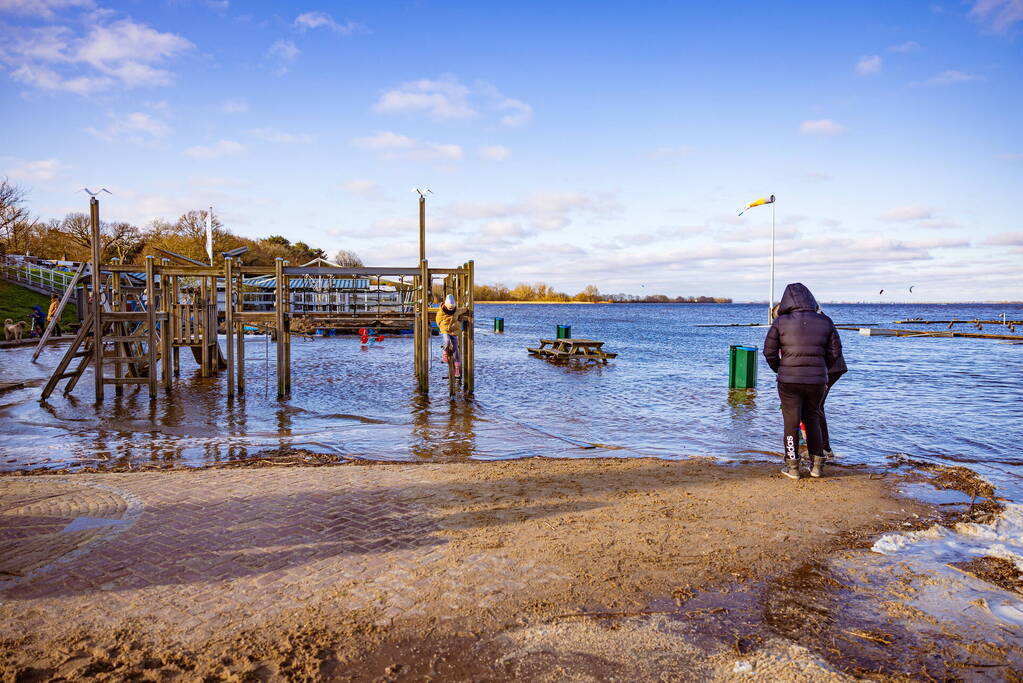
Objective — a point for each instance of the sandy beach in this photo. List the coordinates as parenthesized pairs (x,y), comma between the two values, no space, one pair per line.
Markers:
(541,569)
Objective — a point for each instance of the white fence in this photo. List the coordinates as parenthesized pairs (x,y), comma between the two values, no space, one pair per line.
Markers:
(36,277)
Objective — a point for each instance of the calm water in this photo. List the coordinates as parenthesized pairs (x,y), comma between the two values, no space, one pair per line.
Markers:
(949,400)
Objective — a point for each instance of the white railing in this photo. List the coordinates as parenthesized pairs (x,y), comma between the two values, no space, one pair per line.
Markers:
(55,281)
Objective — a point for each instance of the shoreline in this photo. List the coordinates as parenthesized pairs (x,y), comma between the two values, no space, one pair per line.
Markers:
(538,568)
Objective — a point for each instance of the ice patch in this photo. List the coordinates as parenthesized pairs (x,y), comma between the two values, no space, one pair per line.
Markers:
(1002,538)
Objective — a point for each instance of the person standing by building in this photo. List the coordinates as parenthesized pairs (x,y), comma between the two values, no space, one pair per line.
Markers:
(54,304)
(800,347)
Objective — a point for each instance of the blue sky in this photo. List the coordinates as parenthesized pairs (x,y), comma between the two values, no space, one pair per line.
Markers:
(571,142)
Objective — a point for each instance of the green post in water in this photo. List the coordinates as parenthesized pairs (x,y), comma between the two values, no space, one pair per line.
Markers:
(498,324)
(742,367)
(564,332)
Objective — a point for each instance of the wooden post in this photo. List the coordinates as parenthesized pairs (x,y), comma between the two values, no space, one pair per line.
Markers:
(287,333)
(151,324)
(279,322)
(203,324)
(469,362)
(121,348)
(166,325)
(176,323)
(240,308)
(229,321)
(97,320)
(422,228)
(423,315)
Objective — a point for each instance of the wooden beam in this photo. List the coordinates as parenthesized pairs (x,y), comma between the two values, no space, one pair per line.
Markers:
(151,325)
(229,322)
(96,282)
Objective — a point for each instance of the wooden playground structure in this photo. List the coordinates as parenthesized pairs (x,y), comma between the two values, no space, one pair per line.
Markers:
(132,333)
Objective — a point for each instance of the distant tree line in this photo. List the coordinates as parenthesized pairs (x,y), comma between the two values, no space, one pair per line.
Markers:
(543,292)
(69,238)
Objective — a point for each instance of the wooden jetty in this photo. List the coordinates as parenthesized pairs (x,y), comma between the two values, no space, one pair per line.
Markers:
(571,349)
(882,332)
(135,327)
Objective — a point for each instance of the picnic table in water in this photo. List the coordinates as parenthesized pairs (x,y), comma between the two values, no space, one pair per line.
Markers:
(572,349)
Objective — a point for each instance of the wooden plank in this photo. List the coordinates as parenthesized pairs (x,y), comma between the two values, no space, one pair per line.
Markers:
(151,339)
(279,323)
(229,321)
(52,322)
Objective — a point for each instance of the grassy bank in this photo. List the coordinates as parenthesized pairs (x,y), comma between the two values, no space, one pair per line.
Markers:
(16,303)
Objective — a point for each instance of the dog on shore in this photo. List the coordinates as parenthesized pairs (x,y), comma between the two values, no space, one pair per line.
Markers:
(14,330)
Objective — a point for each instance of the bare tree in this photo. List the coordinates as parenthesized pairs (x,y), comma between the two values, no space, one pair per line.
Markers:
(347,259)
(15,220)
(122,240)
(193,226)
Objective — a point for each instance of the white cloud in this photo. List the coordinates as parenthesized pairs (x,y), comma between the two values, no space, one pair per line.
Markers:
(273,135)
(998,15)
(1009,239)
(546,210)
(314,20)
(282,53)
(818,175)
(122,53)
(902,214)
(234,106)
(361,188)
(44,169)
(45,9)
(825,127)
(134,127)
(441,99)
(868,64)
(908,46)
(392,145)
(494,153)
(219,149)
(678,152)
(447,98)
(938,243)
(518,112)
(951,77)
(1011,156)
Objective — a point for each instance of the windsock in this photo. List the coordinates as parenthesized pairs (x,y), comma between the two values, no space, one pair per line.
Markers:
(757,202)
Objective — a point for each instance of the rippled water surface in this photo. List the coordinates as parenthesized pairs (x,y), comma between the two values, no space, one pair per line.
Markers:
(955,400)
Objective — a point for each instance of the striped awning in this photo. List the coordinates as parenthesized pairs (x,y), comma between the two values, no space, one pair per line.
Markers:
(319,284)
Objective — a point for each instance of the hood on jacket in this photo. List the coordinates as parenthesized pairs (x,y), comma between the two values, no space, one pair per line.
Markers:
(796,298)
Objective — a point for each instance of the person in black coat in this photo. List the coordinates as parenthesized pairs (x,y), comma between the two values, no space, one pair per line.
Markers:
(800,347)
(835,372)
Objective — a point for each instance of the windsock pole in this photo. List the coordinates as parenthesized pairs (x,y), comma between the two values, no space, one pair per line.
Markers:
(770,302)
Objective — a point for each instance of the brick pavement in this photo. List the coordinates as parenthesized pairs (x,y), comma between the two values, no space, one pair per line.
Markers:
(199,550)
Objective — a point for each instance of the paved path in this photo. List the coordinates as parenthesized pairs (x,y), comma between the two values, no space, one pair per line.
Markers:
(193,551)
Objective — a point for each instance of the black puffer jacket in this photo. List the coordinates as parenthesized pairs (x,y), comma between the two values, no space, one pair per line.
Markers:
(802,343)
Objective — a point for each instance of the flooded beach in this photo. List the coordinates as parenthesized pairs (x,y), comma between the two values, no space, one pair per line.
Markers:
(953,401)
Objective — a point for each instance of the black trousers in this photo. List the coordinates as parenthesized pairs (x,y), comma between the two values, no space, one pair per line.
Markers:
(825,441)
(802,402)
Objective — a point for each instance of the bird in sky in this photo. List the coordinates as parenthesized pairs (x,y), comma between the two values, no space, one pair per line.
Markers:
(93,194)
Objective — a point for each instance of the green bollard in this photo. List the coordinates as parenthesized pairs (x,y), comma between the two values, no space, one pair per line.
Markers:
(498,324)
(742,367)
(564,332)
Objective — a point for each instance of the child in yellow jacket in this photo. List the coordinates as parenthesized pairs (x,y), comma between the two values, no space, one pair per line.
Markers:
(447,322)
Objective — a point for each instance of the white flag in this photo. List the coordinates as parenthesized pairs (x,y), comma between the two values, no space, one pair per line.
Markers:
(209,235)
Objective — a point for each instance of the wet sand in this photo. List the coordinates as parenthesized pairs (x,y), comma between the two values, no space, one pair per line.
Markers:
(588,569)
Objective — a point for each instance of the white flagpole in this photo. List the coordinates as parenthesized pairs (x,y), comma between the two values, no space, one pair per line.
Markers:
(770,304)
(209,235)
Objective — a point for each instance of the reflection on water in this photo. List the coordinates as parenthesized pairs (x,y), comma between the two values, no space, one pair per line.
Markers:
(665,395)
